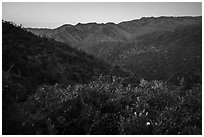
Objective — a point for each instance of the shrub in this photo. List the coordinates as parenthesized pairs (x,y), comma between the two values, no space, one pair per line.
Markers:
(106,107)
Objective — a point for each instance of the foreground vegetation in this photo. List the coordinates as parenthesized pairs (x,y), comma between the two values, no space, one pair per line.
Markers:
(106,107)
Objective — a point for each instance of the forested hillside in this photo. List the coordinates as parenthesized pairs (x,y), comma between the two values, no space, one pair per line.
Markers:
(46,61)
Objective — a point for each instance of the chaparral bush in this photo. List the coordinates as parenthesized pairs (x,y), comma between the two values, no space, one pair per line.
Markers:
(106,107)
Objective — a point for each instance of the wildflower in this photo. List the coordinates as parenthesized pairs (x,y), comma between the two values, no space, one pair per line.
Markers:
(148,123)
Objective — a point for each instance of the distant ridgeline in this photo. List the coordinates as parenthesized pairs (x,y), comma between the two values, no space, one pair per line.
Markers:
(163,48)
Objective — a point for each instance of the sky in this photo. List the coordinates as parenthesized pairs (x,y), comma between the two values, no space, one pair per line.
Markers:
(55,14)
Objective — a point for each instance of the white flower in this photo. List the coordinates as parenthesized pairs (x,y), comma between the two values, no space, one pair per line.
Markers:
(148,123)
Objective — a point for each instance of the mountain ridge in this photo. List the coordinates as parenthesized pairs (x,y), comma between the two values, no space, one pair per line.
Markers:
(51,33)
(123,44)
(92,22)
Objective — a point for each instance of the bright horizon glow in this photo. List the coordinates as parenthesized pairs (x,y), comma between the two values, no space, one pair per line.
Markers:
(55,14)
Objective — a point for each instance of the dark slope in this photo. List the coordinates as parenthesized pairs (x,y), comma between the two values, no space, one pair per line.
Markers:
(29,60)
